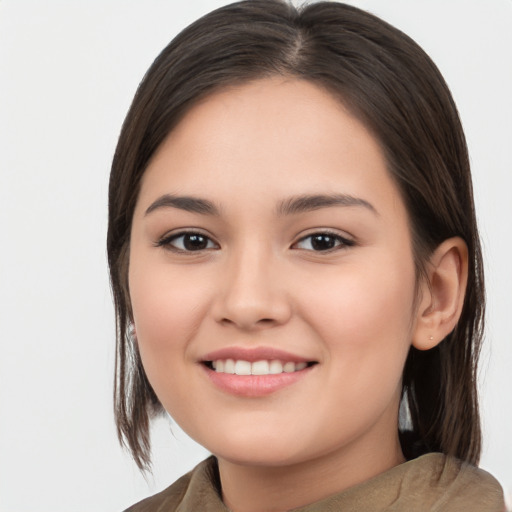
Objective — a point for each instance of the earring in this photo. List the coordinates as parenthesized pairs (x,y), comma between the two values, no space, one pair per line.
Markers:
(431,338)
(131,331)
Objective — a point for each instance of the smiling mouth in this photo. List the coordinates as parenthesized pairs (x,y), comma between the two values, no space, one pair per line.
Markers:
(262,367)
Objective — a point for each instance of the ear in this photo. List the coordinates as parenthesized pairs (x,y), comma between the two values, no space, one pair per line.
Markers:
(442,296)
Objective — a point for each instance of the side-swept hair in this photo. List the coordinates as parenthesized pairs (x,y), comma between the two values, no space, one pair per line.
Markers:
(386,80)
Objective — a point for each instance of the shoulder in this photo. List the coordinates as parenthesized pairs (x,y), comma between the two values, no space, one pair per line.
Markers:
(168,498)
(430,483)
(448,484)
(183,495)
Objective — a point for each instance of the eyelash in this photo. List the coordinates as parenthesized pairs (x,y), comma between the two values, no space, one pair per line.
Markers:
(340,242)
(167,242)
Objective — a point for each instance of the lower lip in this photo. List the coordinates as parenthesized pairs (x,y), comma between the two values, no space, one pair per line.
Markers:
(254,385)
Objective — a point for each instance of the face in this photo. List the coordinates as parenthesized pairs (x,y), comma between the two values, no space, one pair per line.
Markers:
(272,279)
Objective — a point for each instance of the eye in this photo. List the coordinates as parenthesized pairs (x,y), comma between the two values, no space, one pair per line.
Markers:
(324,242)
(187,242)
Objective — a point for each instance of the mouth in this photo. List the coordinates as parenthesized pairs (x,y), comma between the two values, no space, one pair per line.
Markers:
(254,372)
(260,367)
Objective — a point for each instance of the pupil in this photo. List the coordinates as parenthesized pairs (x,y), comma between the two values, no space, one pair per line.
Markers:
(195,242)
(322,242)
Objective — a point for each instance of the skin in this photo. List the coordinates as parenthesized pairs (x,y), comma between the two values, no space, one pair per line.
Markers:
(258,282)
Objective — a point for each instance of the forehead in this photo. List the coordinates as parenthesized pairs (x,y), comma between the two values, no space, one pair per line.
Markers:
(269,137)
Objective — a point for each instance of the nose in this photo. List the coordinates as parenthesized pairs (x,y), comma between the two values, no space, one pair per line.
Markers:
(252,294)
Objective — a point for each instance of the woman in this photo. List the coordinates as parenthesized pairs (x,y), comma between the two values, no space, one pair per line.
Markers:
(294,257)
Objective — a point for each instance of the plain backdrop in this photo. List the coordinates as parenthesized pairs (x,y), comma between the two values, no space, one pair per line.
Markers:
(68,71)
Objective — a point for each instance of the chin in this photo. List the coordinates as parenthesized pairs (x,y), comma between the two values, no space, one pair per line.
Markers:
(256,457)
(256,449)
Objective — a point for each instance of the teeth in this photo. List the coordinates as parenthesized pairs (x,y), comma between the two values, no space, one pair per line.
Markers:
(275,367)
(241,367)
(260,368)
(229,366)
(289,367)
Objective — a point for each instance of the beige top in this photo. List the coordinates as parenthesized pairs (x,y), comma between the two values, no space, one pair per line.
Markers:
(433,483)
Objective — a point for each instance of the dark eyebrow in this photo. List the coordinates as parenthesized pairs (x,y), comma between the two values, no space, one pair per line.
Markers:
(306,203)
(187,203)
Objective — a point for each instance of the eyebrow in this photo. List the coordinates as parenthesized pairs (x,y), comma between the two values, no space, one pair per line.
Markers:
(291,206)
(306,203)
(187,203)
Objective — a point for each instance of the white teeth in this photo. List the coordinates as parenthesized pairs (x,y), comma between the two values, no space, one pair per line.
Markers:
(229,366)
(243,368)
(289,367)
(263,367)
(275,367)
(260,368)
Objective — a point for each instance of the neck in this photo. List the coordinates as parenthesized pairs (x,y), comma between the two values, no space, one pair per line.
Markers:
(248,488)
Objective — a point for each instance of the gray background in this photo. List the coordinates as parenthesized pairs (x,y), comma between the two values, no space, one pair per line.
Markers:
(68,71)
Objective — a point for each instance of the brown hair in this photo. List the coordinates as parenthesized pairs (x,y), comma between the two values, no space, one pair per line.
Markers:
(386,80)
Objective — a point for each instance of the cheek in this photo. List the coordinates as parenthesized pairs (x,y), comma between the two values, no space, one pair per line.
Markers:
(364,316)
(167,309)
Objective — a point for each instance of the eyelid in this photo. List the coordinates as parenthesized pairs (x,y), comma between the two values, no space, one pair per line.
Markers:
(345,240)
(165,240)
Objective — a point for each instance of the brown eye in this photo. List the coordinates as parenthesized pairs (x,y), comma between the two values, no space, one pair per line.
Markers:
(188,242)
(323,242)
(193,242)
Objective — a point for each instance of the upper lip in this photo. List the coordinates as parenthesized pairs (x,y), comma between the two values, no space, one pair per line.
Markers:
(254,354)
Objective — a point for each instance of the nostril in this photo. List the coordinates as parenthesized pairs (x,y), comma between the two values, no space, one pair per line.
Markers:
(249,310)
(248,323)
